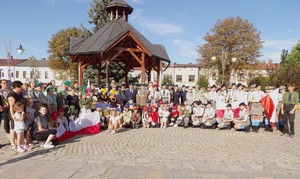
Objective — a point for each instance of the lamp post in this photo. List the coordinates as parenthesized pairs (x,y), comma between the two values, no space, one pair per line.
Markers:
(20,50)
(223,60)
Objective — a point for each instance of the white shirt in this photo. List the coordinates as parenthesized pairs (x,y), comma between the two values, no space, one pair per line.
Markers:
(256,96)
(228,115)
(209,112)
(243,115)
(198,111)
(212,95)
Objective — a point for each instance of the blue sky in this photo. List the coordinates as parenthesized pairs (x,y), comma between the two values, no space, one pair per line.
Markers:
(179,25)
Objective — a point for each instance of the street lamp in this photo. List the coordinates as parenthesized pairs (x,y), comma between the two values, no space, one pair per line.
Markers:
(20,50)
(223,60)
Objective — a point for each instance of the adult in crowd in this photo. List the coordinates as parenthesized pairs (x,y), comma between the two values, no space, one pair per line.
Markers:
(290,100)
(5,107)
(130,93)
(14,96)
(142,95)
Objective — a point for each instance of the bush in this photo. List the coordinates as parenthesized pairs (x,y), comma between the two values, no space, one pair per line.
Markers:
(202,81)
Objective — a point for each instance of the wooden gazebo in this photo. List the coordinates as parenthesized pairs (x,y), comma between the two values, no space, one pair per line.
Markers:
(117,42)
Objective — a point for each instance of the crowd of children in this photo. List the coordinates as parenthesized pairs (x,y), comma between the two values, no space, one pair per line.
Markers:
(45,108)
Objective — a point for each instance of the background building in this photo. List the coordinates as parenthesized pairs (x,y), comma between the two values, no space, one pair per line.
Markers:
(26,70)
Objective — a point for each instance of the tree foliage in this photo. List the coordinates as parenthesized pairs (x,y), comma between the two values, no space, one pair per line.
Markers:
(294,55)
(167,79)
(59,59)
(262,80)
(235,36)
(289,71)
(98,14)
(202,81)
(34,73)
(284,54)
(90,73)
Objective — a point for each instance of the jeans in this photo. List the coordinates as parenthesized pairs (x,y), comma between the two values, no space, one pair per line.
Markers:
(288,117)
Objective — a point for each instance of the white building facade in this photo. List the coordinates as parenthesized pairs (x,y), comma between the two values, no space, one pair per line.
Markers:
(23,71)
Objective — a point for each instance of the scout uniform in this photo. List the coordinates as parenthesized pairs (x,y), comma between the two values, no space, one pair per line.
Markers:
(228,117)
(242,122)
(256,109)
(209,117)
(165,94)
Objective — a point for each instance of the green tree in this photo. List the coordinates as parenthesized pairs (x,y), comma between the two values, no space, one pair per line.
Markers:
(167,79)
(284,54)
(262,80)
(202,81)
(98,14)
(90,73)
(294,55)
(34,73)
(99,17)
(231,37)
(59,59)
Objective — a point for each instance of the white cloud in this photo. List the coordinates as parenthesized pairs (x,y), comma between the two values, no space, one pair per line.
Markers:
(186,48)
(155,26)
(279,44)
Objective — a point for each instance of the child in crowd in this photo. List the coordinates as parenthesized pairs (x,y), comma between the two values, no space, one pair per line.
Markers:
(114,119)
(242,122)
(53,120)
(154,117)
(174,115)
(19,117)
(198,112)
(29,121)
(62,120)
(184,117)
(164,116)
(127,116)
(228,117)
(85,108)
(136,118)
(146,117)
(209,116)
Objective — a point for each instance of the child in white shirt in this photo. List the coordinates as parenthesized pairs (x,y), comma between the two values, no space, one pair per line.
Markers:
(19,117)
(209,116)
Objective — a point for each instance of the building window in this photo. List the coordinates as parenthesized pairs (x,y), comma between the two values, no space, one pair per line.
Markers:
(2,74)
(191,78)
(38,75)
(24,74)
(31,74)
(46,75)
(17,74)
(178,78)
(12,74)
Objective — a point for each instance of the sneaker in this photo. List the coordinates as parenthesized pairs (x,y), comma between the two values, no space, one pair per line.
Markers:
(113,132)
(48,146)
(292,136)
(13,147)
(20,149)
(41,144)
(26,147)
(285,135)
(175,125)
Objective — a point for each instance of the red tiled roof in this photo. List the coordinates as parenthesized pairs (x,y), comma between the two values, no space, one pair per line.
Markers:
(14,62)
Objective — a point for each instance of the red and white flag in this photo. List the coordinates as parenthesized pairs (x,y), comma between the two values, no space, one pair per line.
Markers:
(270,103)
(86,124)
(221,107)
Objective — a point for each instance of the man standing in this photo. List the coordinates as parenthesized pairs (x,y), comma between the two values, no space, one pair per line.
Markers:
(130,94)
(142,96)
(290,101)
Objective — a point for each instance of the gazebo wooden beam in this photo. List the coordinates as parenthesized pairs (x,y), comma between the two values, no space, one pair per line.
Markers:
(135,56)
(120,51)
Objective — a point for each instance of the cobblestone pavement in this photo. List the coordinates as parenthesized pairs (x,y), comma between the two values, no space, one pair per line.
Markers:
(160,153)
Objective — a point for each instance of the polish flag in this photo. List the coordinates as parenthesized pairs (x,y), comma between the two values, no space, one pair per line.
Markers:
(86,124)
(221,107)
(270,103)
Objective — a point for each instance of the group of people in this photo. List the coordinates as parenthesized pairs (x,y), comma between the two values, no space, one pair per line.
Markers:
(34,111)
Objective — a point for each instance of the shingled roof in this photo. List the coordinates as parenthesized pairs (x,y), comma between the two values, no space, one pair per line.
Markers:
(113,31)
(119,3)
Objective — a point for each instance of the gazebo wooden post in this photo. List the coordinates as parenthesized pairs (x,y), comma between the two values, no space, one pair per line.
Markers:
(158,72)
(99,73)
(107,71)
(80,72)
(143,68)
